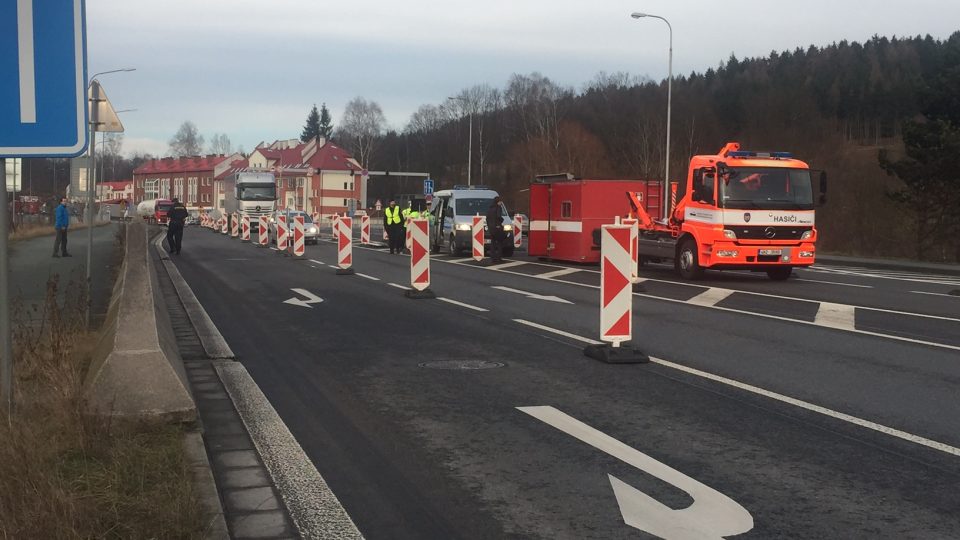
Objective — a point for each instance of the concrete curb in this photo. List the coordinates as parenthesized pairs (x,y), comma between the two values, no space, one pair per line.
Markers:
(891,264)
(216,526)
(137,372)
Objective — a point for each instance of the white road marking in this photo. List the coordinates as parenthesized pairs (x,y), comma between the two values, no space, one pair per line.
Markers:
(461,304)
(897,276)
(548,298)
(321,263)
(457,261)
(335,267)
(558,273)
(833,283)
(710,297)
(923,441)
(839,316)
(304,302)
(273,248)
(371,278)
(711,515)
(936,294)
(558,332)
(404,287)
(315,509)
(28,80)
(510,264)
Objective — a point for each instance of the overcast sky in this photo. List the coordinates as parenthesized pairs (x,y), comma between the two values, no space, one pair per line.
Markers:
(252,70)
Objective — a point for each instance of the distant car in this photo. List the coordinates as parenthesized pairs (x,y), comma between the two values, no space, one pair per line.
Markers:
(311,232)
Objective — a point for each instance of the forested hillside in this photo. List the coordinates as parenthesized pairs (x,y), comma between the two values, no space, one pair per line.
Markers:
(836,107)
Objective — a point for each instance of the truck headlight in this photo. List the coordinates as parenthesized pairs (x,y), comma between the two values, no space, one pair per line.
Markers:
(729,235)
(464,226)
(806,235)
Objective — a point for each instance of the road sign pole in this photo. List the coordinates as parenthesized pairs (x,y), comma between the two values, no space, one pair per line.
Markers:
(91,169)
(6,340)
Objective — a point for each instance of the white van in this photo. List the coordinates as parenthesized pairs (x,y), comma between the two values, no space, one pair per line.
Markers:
(453,211)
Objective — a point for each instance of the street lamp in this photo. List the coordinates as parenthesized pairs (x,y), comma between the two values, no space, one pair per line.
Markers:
(91,169)
(666,174)
(463,100)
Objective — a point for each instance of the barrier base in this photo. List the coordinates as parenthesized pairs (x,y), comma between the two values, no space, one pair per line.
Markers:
(425,294)
(616,355)
(345,272)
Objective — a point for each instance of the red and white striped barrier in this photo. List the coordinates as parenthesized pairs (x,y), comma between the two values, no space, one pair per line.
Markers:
(419,259)
(364,230)
(299,241)
(385,237)
(407,240)
(517,231)
(616,298)
(634,225)
(264,236)
(345,245)
(282,233)
(245,228)
(478,238)
(234,226)
(223,224)
(333,226)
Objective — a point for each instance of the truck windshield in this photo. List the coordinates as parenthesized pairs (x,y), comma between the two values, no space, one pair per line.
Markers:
(472,207)
(764,188)
(257,192)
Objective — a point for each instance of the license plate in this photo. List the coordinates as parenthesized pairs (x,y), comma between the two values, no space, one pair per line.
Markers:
(770,251)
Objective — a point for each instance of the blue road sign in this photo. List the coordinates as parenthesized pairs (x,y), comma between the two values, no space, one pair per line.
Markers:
(43,74)
(428,187)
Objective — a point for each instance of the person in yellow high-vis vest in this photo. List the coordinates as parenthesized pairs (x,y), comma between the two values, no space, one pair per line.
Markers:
(394,222)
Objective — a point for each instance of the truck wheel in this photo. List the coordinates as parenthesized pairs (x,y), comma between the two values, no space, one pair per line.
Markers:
(452,248)
(780,273)
(688,262)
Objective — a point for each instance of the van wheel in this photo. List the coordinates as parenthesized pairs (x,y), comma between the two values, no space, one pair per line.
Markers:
(780,273)
(452,248)
(688,262)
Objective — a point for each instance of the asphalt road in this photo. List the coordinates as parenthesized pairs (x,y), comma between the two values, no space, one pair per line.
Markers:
(822,407)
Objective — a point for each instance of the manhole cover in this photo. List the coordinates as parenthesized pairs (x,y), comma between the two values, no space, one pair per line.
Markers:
(461,364)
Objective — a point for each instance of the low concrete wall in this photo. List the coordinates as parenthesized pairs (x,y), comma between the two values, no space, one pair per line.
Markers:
(137,372)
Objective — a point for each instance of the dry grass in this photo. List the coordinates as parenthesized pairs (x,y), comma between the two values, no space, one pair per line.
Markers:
(64,474)
(28,231)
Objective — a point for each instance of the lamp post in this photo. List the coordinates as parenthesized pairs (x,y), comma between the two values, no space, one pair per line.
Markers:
(666,174)
(91,169)
(463,100)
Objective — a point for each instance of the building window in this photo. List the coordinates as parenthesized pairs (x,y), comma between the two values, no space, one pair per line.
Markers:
(344,202)
(566,209)
(344,185)
(351,185)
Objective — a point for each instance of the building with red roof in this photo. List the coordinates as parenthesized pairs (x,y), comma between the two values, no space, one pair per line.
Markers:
(111,191)
(189,178)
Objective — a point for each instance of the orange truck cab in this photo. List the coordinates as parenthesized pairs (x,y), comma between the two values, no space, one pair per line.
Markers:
(738,210)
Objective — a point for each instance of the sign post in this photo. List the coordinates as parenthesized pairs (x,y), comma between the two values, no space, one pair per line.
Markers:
(43,111)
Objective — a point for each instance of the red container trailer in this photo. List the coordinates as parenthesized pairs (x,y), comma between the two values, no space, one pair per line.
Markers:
(566,214)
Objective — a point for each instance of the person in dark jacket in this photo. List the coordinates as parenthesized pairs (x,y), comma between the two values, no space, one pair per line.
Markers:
(178,218)
(62,223)
(497,235)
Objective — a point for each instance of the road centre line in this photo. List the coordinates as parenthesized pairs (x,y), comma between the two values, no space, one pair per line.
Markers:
(766,295)
(936,294)
(333,266)
(764,315)
(404,287)
(371,278)
(321,263)
(833,283)
(893,432)
(461,304)
(916,278)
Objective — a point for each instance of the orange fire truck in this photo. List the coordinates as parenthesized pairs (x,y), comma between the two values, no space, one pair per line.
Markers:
(737,210)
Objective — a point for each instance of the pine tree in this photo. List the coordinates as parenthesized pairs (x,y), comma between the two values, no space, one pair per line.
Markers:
(325,128)
(312,129)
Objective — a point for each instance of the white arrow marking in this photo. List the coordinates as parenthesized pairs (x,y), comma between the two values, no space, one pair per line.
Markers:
(311,299)
(712,515)
(28,82)
(533,295)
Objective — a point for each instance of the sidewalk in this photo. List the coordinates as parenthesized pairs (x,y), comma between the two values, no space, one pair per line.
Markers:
(31,265)
(892,264)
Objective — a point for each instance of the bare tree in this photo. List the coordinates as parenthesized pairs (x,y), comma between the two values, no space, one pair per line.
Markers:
(479,100)
(361,126)
(220,144)
(112,145)
(187,142)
